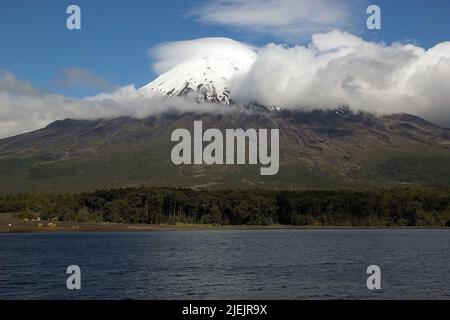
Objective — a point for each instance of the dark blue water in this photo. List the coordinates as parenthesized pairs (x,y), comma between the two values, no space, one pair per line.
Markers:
(269,264)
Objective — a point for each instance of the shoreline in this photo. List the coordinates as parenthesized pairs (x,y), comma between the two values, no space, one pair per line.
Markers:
(19,226)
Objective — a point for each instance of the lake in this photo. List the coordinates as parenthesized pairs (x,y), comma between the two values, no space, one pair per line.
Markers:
(227,264)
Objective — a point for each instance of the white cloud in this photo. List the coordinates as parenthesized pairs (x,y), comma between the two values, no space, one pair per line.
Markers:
(341,69)
(24,109)
(335,69)
(9,83)
(287,19)
(170,54)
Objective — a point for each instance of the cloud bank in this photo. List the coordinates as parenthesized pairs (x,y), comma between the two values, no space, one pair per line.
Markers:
(341,69)
(335,69)
(24,108)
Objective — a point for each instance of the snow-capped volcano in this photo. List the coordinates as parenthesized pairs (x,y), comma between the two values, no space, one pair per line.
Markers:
(207,74)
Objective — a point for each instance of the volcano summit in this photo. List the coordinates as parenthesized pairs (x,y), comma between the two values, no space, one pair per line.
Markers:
(205,75)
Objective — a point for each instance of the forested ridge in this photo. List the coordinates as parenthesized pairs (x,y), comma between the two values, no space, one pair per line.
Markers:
(393,207)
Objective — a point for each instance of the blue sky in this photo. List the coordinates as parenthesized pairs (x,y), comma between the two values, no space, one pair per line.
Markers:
(116,35)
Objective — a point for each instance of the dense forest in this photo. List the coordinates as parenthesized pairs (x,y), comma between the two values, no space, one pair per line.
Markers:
(394,207)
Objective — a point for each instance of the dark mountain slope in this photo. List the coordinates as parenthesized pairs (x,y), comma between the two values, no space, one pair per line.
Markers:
(320,149)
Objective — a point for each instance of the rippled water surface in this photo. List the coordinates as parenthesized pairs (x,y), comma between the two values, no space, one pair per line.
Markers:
(259,264)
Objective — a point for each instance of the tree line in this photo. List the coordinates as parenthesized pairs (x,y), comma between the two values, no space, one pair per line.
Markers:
(392,207)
